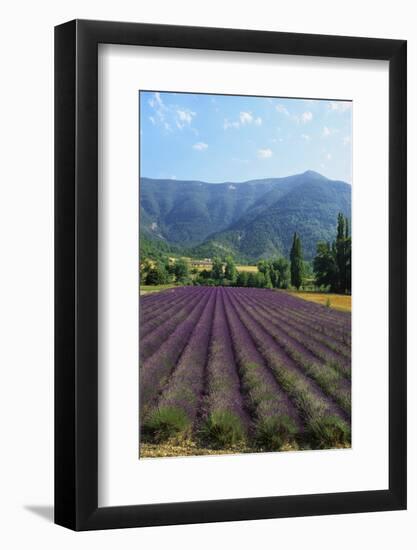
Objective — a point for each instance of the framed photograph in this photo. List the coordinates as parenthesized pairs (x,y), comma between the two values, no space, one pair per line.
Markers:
(230,247)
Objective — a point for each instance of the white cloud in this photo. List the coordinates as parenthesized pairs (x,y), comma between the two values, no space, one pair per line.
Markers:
(346,140)
(305,137)
(340,106)
(306,117)
(264,153)
(283,110)
(228,124)
(184,117)
(159,107)
(156,101)
(245,117)
(232,187)
(326,132)
(328,156)
(200,146)
(169,116)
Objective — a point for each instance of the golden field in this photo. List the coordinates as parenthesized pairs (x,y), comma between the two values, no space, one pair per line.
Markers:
(340,302)
(247,268)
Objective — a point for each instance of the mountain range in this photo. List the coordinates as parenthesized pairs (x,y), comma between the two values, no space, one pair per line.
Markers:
(249,220)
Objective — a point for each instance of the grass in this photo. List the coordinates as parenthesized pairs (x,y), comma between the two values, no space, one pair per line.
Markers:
(223,429)
(274,433)
(146,289)
(331,432)
(165,423)
(341,302)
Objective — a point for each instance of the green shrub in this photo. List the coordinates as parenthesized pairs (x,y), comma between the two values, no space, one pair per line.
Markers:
(222,429)
(330,431)
(273,433)
(165,423)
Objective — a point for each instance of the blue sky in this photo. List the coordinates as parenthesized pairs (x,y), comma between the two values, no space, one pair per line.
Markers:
(218,138)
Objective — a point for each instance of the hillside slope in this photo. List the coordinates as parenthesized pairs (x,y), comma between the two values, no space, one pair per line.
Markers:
(250,220)
(187,212)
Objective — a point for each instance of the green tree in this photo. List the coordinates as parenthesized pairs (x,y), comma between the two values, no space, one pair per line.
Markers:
(242,279)
(348,259)
(341,253)
(181,270)
(260,280)
(263,266)
(252,279)
(144,268)
(230,271)
(296,257)
(332,264)
(325,266)
(170,267)
(217,269)
(281,271)
(157,275)
(267,280)
(204,274)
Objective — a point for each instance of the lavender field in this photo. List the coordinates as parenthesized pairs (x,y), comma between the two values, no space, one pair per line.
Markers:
(225,369)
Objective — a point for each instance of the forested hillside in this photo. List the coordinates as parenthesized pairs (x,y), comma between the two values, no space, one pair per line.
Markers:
(249,220)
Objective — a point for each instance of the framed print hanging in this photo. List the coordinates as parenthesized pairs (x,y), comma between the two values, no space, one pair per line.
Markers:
(230,274)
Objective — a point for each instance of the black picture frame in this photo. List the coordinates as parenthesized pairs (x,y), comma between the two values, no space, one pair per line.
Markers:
(76,272)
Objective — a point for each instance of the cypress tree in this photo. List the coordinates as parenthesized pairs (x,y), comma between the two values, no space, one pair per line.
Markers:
(332,264)
(341,252)
(348,258)
(296,258)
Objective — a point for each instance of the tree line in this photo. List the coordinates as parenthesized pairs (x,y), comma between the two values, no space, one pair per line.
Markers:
(162,272)
(333,261)
(331,268)
(332,265)
(269,274)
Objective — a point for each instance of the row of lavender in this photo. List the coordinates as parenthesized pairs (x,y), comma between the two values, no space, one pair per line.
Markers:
(243,365)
